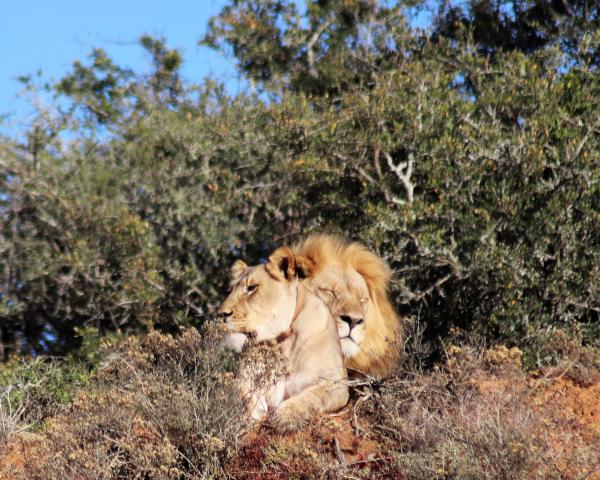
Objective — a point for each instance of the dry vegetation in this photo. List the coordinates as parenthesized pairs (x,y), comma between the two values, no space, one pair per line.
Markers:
(475,416)
(166,408)
(158,408)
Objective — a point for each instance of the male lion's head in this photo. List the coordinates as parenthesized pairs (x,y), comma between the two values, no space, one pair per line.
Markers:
(262,300)
(353,283)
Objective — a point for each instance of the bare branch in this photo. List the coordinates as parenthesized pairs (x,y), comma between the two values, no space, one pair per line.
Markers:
(437,284)
(338,452)
(403,171)
(310,54)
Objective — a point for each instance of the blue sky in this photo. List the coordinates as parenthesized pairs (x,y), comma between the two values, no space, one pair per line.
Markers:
(49,35)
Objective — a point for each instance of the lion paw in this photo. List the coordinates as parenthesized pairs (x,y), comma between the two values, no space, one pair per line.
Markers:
(288,418)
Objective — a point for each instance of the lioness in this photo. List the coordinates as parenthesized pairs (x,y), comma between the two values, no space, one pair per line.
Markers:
(353,282)
(261,369)
(269,302)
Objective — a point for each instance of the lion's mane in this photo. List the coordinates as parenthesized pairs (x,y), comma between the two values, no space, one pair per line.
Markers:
(380,350)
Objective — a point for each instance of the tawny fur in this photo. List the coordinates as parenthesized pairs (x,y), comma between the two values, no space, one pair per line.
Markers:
(380,349)
(268,303)
(261,368)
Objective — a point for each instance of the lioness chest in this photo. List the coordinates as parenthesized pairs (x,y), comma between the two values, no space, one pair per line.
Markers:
(262,371)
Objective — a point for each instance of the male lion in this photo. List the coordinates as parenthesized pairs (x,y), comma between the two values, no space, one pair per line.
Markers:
(268,302)
(353,282)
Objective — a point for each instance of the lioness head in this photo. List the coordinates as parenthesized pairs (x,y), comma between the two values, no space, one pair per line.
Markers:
(263,298)
(353,283)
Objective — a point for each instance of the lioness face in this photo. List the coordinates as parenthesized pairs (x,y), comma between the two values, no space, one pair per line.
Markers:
(346,294)
(262,301)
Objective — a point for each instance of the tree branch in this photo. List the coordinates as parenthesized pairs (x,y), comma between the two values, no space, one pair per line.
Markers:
(403,171)
(310,54)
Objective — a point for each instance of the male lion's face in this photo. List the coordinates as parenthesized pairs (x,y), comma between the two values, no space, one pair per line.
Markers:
(262,300)
(346,294)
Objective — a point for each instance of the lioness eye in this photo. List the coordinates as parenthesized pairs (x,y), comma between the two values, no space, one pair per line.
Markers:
(329,292)
(252,288)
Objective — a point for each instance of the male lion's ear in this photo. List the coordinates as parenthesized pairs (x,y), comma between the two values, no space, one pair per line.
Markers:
(304,266)
(282,264)
(237,269)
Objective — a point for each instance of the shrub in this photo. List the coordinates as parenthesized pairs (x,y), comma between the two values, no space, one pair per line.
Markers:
(158,408)
(470,418)
(34,390)
(474,172)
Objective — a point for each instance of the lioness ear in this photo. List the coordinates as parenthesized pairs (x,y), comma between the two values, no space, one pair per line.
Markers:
(237,269)
(282,264)
(304,267)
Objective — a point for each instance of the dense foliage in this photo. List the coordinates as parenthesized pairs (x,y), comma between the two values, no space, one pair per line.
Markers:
(473,167)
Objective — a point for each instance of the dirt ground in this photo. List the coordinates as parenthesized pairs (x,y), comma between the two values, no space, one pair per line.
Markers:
(572,414)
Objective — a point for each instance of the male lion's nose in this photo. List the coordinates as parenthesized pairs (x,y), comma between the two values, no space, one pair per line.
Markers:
(351,321)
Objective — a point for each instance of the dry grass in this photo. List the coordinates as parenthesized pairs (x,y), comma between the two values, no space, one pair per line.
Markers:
(11,416)
(471,418)
(565,356)
(168,408)
(161,408)
(477,415)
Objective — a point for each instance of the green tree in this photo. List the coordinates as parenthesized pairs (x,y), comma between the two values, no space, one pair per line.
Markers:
(321,49)
(523,25)
(474,172)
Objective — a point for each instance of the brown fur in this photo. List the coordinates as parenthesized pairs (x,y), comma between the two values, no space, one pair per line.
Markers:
(380,349)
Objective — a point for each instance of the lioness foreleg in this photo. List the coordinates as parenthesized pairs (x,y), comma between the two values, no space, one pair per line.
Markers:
(323,397)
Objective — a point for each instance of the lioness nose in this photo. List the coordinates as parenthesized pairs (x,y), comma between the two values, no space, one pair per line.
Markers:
(352,321)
